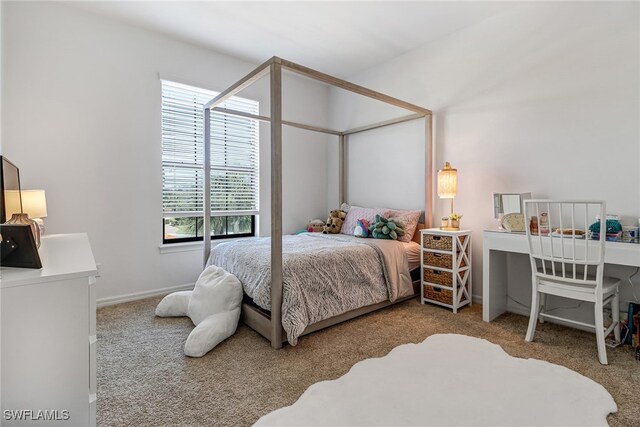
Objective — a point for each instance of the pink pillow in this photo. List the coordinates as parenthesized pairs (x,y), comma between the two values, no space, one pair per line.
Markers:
(355,213)
(409,221)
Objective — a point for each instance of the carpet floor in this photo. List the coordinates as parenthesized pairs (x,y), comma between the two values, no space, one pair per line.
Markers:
(144,379)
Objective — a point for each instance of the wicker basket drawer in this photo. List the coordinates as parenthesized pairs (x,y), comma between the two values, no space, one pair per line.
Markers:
(438,277)
(438,294)
(442,243)
(441,260)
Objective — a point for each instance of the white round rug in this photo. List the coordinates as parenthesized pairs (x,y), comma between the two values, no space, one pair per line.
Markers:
(450,380)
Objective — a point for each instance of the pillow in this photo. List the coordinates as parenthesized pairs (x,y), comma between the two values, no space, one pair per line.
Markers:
(355,213)
(408,220)
(362,228)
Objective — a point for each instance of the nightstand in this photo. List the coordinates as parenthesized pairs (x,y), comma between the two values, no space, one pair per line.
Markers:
(445,273)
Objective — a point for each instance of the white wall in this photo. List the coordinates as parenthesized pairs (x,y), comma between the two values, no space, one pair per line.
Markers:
(81,105)
(543,98)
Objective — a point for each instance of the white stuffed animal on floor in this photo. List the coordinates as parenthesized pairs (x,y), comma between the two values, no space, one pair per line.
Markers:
(213,306)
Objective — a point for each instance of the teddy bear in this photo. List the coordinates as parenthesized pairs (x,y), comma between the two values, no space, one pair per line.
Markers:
(333,225)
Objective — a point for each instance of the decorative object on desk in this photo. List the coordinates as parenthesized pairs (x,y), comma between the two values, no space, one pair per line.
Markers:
(533,225)
(448,183)
(544,224)
(23,218)
(444,222)
(315,226)
(513,222)
(613,228)
(454,221)
(34,204)
(568,233)
(629,233)
(451,380)
(362,228)
(23,250)
(506,203)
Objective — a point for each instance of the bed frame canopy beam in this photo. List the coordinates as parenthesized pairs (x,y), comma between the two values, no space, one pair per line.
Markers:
(268,119)
(385,123)
(351,87)
(271,325)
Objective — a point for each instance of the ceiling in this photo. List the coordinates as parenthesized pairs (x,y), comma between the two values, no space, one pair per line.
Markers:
(341,38)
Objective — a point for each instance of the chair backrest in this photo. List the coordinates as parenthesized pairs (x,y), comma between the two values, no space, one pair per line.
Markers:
(562,247)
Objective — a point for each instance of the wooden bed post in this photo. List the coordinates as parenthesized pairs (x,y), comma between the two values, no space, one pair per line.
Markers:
(206,206)
(341,169)
(276,205)
(428,198)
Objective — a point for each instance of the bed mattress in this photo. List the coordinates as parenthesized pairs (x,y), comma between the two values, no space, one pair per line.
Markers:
(323,275)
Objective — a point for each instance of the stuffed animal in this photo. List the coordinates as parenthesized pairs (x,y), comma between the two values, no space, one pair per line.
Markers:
(337,213)
(315,226)
(362,228)
(384,228)
(213,306)
(333,225)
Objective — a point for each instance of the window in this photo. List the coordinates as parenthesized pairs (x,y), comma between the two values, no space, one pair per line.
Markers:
(234,166)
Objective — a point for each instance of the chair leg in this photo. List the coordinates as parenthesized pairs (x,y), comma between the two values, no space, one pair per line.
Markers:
(615,315)
(533,317)
(543,306)
(602,349)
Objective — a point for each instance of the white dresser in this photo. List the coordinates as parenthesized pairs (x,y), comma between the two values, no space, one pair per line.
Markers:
(48,337)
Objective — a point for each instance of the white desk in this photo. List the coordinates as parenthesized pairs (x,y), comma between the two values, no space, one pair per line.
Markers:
(497,244)
(48,330)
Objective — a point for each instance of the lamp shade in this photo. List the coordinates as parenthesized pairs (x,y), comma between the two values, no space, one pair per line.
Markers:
(447,182)
(12,202)
(34,203)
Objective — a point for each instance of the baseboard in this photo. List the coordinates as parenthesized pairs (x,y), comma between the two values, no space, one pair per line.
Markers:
(477,299)
(103,302)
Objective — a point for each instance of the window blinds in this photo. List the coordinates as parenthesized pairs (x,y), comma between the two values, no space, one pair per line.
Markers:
(234,154)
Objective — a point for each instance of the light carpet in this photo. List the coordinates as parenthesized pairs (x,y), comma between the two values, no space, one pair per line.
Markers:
(450,380)
(144,378)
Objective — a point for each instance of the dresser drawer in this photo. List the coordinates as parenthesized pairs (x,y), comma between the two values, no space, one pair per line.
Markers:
(434,259)
(442,243)
(439,277)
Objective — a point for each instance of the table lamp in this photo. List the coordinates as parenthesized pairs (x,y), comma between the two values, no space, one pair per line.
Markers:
(34,203)
(448,183)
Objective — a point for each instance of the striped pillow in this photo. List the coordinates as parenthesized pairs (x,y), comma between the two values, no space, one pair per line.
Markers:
(355,213)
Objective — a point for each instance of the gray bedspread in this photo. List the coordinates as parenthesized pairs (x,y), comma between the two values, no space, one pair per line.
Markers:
(324,275)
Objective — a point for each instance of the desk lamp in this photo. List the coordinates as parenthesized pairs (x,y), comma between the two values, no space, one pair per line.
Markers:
(448,185)
(34,203)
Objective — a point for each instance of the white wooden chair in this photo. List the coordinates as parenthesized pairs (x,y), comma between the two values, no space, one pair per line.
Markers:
(570,264)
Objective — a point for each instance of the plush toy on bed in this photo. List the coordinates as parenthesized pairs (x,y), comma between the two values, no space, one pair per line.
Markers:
(362,228)
(333,225)
(315,226)
(384,228)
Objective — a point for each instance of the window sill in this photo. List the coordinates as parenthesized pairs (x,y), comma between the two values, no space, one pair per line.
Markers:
(169,248)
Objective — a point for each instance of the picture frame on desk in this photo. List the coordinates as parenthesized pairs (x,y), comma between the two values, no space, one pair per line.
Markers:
(18,247)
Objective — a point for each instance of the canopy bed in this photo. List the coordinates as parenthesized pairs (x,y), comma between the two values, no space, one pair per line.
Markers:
(268,320)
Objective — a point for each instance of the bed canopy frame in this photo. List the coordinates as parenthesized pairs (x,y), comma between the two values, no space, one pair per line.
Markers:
(269,324)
